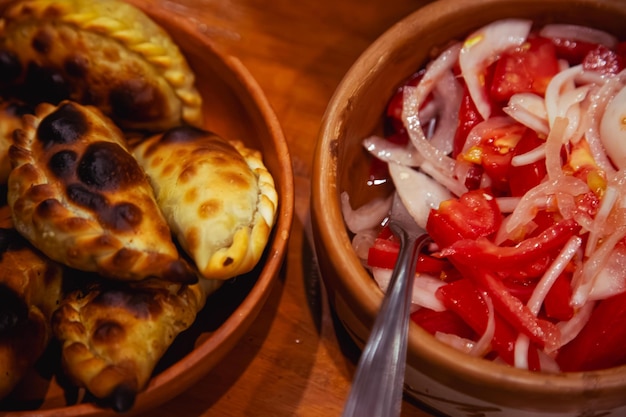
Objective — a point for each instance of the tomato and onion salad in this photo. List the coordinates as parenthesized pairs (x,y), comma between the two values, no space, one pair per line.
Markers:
(509,148)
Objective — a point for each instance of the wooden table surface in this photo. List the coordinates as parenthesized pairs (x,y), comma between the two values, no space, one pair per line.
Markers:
(295,360)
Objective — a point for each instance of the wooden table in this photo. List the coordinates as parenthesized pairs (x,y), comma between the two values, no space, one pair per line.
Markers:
(296,360)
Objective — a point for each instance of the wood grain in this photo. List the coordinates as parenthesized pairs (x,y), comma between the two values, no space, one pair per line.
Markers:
(296,360)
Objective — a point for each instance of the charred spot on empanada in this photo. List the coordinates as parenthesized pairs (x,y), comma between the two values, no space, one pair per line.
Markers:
(217,196)
(105,53)
(80,197)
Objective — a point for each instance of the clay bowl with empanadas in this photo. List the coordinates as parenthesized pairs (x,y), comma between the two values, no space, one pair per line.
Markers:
(233,108)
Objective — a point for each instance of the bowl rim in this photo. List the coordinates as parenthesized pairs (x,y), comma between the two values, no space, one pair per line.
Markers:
(356,285)
(173,380)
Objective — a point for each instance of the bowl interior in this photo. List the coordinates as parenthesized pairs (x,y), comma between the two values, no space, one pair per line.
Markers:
(341,164)
(236,108)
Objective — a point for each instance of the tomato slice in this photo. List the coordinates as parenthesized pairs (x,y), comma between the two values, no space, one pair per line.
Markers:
(522,178)
(474,214)
(445,321)
(516,313)
(468,118)
(556,304)
(526,69)
(464,298)
(384,253)
(482,251)
(601,342)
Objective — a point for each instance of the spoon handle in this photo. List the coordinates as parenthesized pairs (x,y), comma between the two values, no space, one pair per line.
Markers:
(379,379)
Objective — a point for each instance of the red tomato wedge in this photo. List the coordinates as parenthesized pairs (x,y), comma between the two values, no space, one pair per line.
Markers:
(474,214)
(516,313)
(601,343)
(464,298)
(445,321)
(527,69)
(482,251)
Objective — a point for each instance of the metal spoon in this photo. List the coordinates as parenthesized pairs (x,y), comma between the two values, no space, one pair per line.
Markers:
(379,380)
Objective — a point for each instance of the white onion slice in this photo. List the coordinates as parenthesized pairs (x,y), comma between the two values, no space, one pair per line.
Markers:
(424,288)
(459,343)
(483,47)
(570,329)
(547,280)
(611,279)
(418,192)
(386,151)
(530,157)
(414,97)
(449,93)
(530,110)
(365,217)
(584,278)
(556,87)
(579,33)
(613,129)
(484,343)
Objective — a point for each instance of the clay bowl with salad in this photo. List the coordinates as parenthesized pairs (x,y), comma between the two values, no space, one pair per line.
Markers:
(501,126)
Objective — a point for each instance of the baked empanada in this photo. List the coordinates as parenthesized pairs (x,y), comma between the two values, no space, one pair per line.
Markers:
(10,119)
(113,334)
(105,53)
(30,291)
(80,197)
(217,196)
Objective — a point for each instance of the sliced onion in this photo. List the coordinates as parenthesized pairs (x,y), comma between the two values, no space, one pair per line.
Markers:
(484,129)
(362,242)
(365,217)
(530,110)
(611,279)
(414,97)
(554,142)
(560,83)
(570,329)
(424,288)
(613,129)
(578,33)
(530,157)
(483,344)
(482,48)
(386,151)
(539,196)
(584,278)
(449,93)
(459,343)
(556,268)
(520,351)
(606,205)
(418,192)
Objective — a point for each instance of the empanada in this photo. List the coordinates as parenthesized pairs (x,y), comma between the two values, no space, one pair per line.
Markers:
(106,53)
(10,119)
(113,334)
(79,196)
(30,291)
(217,196)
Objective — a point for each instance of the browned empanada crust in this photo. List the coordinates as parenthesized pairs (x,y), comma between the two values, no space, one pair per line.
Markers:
(10,119)
(30,291)
(105,53)
(114,334)
(217,196)
(79,196)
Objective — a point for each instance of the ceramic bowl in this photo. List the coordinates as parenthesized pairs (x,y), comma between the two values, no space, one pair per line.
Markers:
(235,107)
(437,375)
